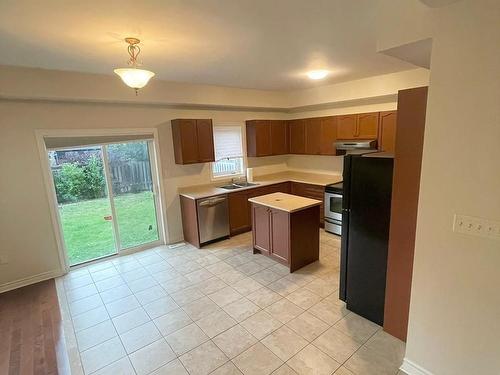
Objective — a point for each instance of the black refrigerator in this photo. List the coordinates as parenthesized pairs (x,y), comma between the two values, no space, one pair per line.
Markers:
(366,212)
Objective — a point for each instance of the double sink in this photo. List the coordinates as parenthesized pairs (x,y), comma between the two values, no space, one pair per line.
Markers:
(237,185)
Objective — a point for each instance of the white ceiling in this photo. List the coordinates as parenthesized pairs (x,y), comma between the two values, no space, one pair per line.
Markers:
(262,44)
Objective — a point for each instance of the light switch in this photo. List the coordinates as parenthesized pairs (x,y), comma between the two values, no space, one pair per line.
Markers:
(476,226)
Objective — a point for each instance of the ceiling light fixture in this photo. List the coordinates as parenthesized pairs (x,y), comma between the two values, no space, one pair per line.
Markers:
(317,74)
(134,77)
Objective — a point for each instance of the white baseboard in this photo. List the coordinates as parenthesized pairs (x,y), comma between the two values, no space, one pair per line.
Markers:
(411,368)
(30,280)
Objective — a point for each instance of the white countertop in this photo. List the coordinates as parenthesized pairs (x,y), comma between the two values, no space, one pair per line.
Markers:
(285,202)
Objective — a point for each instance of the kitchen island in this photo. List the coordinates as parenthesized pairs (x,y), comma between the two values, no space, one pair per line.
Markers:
(286,228)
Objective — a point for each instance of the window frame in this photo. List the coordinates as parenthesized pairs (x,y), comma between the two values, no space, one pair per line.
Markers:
(214,177)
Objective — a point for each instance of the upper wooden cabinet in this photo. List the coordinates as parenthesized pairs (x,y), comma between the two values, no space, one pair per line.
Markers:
(193,141)
(267,137)
(313,136)
(387,131)
(297,129)
(358,126)
(328,135)
(279,137)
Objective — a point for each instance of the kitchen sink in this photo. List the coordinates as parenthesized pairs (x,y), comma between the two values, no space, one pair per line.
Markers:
(237,185)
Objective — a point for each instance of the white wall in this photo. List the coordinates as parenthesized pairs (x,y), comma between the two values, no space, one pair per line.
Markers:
(454,326)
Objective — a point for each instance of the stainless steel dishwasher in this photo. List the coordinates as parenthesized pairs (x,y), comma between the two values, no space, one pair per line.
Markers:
(213,218)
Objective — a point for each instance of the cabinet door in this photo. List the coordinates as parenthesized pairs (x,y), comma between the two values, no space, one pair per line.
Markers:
(279,137)
(205,137)
(387,135)
(346,127)
(239,214)
(185,138)
(261,228)
(328,135)
(280,235)
(297,136)
(262,138)
(313,136)
(367,125)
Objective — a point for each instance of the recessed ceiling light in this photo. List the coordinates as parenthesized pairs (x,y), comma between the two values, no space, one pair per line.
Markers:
(317,74)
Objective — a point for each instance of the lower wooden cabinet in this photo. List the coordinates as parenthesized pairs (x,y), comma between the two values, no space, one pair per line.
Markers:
(291,238)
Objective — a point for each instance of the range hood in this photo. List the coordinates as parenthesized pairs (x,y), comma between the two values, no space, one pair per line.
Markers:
(352,146)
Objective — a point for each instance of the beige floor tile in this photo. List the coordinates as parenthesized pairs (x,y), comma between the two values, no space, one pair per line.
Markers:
(321,287)
(85,304)
(344,371)
(199,275)
(246,286)
(109,283)
(219,268)
(367,362)
(203,359)
(186,338)
(150,294)
(139,337)
(211,285)
(172,321)
(151,357)
(228,369)
(174,367)
(336,344)
(280,269)
(176,284)
(160,307)
(312,361)
(301,277)
(250,268)
(231,276)
(90,318)
(264,297)
(104,274)
(122,305)
(234,341)
(166,275)
(122,367)
(115,294)
(357,327)
(284,370)
(387,346)
(102,355)
(215,323)
(283,287)
(266,276)
(303,298)
(95,335)
(225,296)
(135,274)
(257,360)
(308,326)
(200,308)
(72,281)
(81,292)
(284,310)
(187,295)
(261,324)
(241,309)
(329,311)
(131,319)
(284,343)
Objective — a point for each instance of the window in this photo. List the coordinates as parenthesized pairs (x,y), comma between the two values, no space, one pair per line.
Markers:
(228,151)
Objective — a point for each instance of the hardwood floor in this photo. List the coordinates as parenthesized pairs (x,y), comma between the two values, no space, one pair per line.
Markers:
(31,336)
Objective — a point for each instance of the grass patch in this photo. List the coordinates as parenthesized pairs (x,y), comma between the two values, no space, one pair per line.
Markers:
(88,236)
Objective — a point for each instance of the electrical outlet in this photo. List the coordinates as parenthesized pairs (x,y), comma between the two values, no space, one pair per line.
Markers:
(4,258)
(476,226)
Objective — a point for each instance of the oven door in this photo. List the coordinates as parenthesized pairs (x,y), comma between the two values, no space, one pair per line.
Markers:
(333,206)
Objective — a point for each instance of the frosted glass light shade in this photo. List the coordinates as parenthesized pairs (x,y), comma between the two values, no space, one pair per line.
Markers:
(133,77)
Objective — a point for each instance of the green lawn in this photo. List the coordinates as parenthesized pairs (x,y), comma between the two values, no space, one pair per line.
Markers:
(88,236)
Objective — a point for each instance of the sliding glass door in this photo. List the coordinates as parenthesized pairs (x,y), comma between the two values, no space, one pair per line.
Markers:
(106,197)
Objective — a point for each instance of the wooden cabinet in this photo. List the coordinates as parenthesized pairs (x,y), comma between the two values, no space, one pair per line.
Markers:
(279,137)
(387,131)
(358,126)
(193,141)
(367,125)
(311,191)
(313,136)
(262,229)
(297,132)
(291,238)
(240,216)
(239,213)
(328,135)
(258,134)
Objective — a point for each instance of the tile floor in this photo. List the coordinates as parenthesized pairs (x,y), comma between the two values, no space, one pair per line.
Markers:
(221,310)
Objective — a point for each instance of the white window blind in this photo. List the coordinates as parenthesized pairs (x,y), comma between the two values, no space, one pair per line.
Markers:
(228,151)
